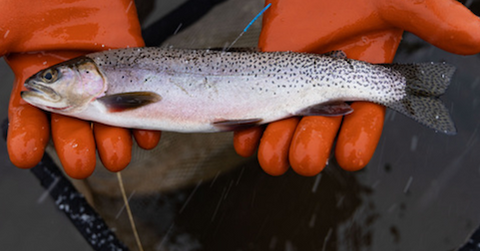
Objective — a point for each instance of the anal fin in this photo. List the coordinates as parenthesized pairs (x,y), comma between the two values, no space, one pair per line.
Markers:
(237,124)
(328,109)
(128,100)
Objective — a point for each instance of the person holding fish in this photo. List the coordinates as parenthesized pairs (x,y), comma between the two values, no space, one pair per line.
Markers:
(371,33)
(368,30)
(52,32)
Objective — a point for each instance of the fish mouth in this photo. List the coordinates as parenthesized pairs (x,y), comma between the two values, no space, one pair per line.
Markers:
(41,91)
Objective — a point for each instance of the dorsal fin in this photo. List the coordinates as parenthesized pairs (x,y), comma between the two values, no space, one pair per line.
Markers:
(336,54)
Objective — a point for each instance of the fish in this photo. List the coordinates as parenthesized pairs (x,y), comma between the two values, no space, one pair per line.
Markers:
(208,90)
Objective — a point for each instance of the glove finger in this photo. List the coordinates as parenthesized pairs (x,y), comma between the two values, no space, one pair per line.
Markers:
(274,146)
(114,146)
(246,141)
(74,144)
(28,130)
(359,135)
(147,139)
(311,144)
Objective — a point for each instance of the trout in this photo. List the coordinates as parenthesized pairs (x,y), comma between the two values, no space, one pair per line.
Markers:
(185,90)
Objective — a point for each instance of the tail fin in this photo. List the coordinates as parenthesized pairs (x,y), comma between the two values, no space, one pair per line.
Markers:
(425,83)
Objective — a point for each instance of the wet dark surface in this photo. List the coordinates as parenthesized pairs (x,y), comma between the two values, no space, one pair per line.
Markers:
(249,210)
(421,191)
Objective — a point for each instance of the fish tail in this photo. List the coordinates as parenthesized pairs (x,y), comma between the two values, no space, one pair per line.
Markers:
(425,82)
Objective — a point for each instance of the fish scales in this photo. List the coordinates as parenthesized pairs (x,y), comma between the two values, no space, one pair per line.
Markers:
(200,88)
(250,83)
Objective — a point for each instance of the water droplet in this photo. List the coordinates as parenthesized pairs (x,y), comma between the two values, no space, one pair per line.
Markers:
(413,144)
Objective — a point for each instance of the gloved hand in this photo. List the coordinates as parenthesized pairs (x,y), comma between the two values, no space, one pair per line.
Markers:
(52,32)
(368,30)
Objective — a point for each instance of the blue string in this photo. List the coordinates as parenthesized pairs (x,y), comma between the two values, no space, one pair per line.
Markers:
(256,17)
(248,26)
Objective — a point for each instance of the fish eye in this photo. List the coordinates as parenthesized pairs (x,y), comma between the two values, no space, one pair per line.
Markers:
(49,75)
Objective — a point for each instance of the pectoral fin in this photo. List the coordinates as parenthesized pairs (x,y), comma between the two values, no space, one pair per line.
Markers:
(232,125)
(128,100)
(329,109)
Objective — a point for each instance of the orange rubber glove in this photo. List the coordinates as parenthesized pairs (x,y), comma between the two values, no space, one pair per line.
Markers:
(368,30)
(63,29)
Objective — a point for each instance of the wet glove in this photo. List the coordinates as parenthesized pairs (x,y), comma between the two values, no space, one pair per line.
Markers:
(368,30)
(38,34)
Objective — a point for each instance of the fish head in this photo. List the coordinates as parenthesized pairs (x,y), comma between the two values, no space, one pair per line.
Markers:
(66,87)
